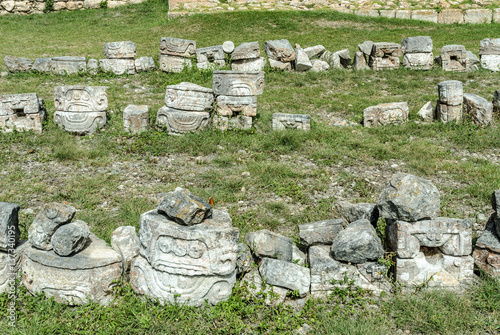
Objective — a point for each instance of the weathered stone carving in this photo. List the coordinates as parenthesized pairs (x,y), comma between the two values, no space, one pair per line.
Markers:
(384,114)
(80,98)
(249,65)
(189,97)
(302,62)
(427,112)
(80,123)
(239,121)
(454,58)
(228,47)
(449,105)
(68,65)
(284,274)
(249,50)
(92,66)
(177,47)
(487,251)
(136,118)
(21,112)
(144,64)
(489,52)
(265,243)
(70,238)
(272,295)
(282,121)
(418,61)
(9,225)
(117,66)
(125,241)
(229,105)
(385,56)
(175,64)
(321,232)
(120,50)
(238,83)
(478,109)
(184,207)
(179,122)
(210,54)
(280,50)
(42,65)
(18,64)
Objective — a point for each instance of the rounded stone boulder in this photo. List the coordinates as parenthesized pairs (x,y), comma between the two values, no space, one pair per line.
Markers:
(70,238)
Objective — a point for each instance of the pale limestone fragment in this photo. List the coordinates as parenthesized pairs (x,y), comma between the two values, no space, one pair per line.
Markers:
(80,98)
(120,50)
(284,274)
(315,51)
(384,114)
(248,50)
(42,65)
(265,243)
(302,62)
(319,65)
(238,83)
(249,65)
(117,66)
(478,109)
(136,118)
(360,62)
(280,50)
(239,121)
(144,64)
(321,232)
(418,61)
(276,64)
(282,121)
(454,58)
(125,241)
(18,64)
(427,112)
(175,64)
(228,47)
(178,122)
(189,97)
(68,65)
(177,47)
(228,105)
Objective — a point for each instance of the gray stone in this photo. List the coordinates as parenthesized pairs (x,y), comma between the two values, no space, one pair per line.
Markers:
(302,62)
(298,257)
(472,59)
(478,109)
(428,15)
(210,54)
(321,232)
(120,50)
(178,122)
(384,50)
(388,13)
(360,62)
(276,64)
(427,112)
(384,114)
(20,104)
(282,121)
(280,50)
(239,121)
(489,46)
(21,123)
(409,198)
(284,274)
(491,62)
(357,243)
(89,275)
(144,64)
(238,83)
(495,201)
(314,51)
(80,98)
(265,243)
(249,50)
(249,65)
(403,14)
(177,47)
(125,241)
(10,265)
(9,226)
(18,64)
(487,250)
(451,92)
(385,63)
(496,102)
(68,65)
(447,113)
(174,64)
(117,66)
(366,47)
(332,58)
(477,15)
(184,207)
(47,221)
(215,65)
(244,262)
(136,118)
(42,65)
(353,212)
(344,57)
(272,295)
(189,97)
(229,105)
(418,61)
(80,123)
(228,47)
(92,66)
(454,58)
(450,16)
(319,66)
(70,238)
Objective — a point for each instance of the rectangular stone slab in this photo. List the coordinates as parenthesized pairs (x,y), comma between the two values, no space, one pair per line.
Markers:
(384,49)
(177,47)
(189,97)
(175,64)
(249,50)
(416,44)
(80,123)
(288,275)
(491,62)
(384,114)
(136,118)
(21,123)
(143,64)
(321,232)
(68,65)
(80,98)
(210,54)
(249,65)
(117,66)
(489,46)
(282,121)
(386,63)
(238,83)
(228,105)
(19,104)
(178,122)
(120,50)
(265,243)
(418,61)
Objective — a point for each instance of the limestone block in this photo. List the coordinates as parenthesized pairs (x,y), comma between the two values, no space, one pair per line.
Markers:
(92,4)
(92,66)
(68,65)
(451,92)
(177,47)
(59,5)
(22,123)
(446,113)
(70,238)
(249,50)
(478,15)
(367,12)
(409,198)
(19,104)
(472,61)
(244,261)
(332,58)
(239,121)
(249,65)
(353,212)
(174,64)
(388,13)
(80,123)
(9,226)
(189,97)
(344,58)
(265,243)
(215,65)
(298,257)
(450,16)
(238,83)
(178,122)
(42,65)
(491,62)
(496,15)
(314,51)
(478,108)
(384,50)
(319,65)
(384,114)
(403,14)
(418,61)
(136,118)
(8,5)
(272,295)
(487,251)
(117,66)
(428,15)
(229,105)
(282,121)
(228,47)
(360,61)
(18,64)
(210,54)
(386,63)
(454,58)
(427,112)
(321,232)
(357,243)
(280,50)
(184,207)
(80,98)
(302,62)
(73,5)
(10,264)
(366,47)
(87,276)
(125,241)
(120,50)
(276,64)
(284,274)
(47,221)
(144,64)
(416,44)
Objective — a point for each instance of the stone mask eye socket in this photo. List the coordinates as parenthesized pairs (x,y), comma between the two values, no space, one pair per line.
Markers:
(85,96)
(165,244)
(195,250)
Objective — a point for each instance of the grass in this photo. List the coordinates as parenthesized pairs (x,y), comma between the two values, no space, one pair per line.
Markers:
(266,179)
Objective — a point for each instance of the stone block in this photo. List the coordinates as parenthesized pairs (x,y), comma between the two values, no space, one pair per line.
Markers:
(249,65)
(272,295)
(125,241)
(18,64)
(239,121)
(175,64)
(454,58)
(276,64)
(450,16)
(418,61)
(80,123)
(298,257)
(210,54)
(265,243)
(70,238)
(280,50)
(92,66)
(388,13)
(360,62)
(428,15)
(282,121)
(244,262)
(68,65)
(344,58)
(249,50)
(120,50)
(177,47)
(319,66)
(384,114)
(9,123)
(284,274)
(136,118)
(178,122)
(478,15)
(384,50)
(238,83)
(302,62)
(496,15)
(80,98)
(489,46)
(367,12)
(427,112)
(321,232)
(19,104)
(446,113)
(385,63)
(314,51)
(353,212)
(184,207)
(487,250)
(189,97)
(87,276)
(43,65)
(416,45)
(478,109)
(366,47)
(9,226)
(228,47)
(451,92)
(144,64)
(403,14)
(117,66)
(409,198)
(332,59)
(472,61)
(228,105)
(491,62)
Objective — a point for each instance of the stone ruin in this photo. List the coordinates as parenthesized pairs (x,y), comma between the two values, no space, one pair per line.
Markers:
(280,53)
(282,121)
(119,58)
(385,114)
(210,57)
(385,56)
(136,119)
(454,58)
(417,53)
(451,97)
(176,54)
(21,112)
(489,52)
(246,57)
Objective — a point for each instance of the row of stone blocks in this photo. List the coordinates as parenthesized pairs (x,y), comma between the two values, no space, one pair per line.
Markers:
(188,253)
(38,6)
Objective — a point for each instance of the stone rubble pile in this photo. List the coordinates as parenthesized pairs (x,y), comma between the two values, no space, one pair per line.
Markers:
(246,57)
(489,52)
(176,54)
(280,53)
(21,112)
(210,57)
(417,53)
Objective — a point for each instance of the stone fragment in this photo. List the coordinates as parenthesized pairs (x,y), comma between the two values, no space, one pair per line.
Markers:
(447,113)
(302,62)
(42,65)
(178,122)
(47,221)
(249,65)
(416,44)
(385,63)
(282,121)
(360,62)
(272,295)
(409,198)
(20,104)
(89,275)
(144,64)
(332,58)
(211,65)
(384,50)
(314,51)
(80,123)
(228,47)
(427,112)
(298,257)
(477,15)
(228,105)
(80,98)
(321,232)
(239,121)
(487,250)
(491,62)
(495,201)
(366,47)
(68,65)
(388,13)
(189,97)
(184,207)
(353,212)
(384,114)
(125,241)
(238,83)
(489,46)
(265,243)
(177,47)
(451,92)
(404,14)
(249,50)
(92,66)
(276,64)
(210,54)
(70,238)
(18,64)
(344,57)
(357,243)
(10,265)
(9,226)
(454,58)
(473,61)
(174,64)
(120,50)
(478,109)
(284,274)
(117,66)
(280,50)
(450,16)
(244,262)
(136,118)
(418,61)
(428,15)
(319,65)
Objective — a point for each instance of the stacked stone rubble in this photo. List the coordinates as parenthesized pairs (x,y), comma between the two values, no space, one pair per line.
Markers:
(187,108)
(246,57)
(176,54)
(450,102)
(120,57)
(280,53)
(314,54)
(417,52)
(385,56)
(210,57)
(454,58)
(21,112)
(337,60)
(362,57)
(489,52)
